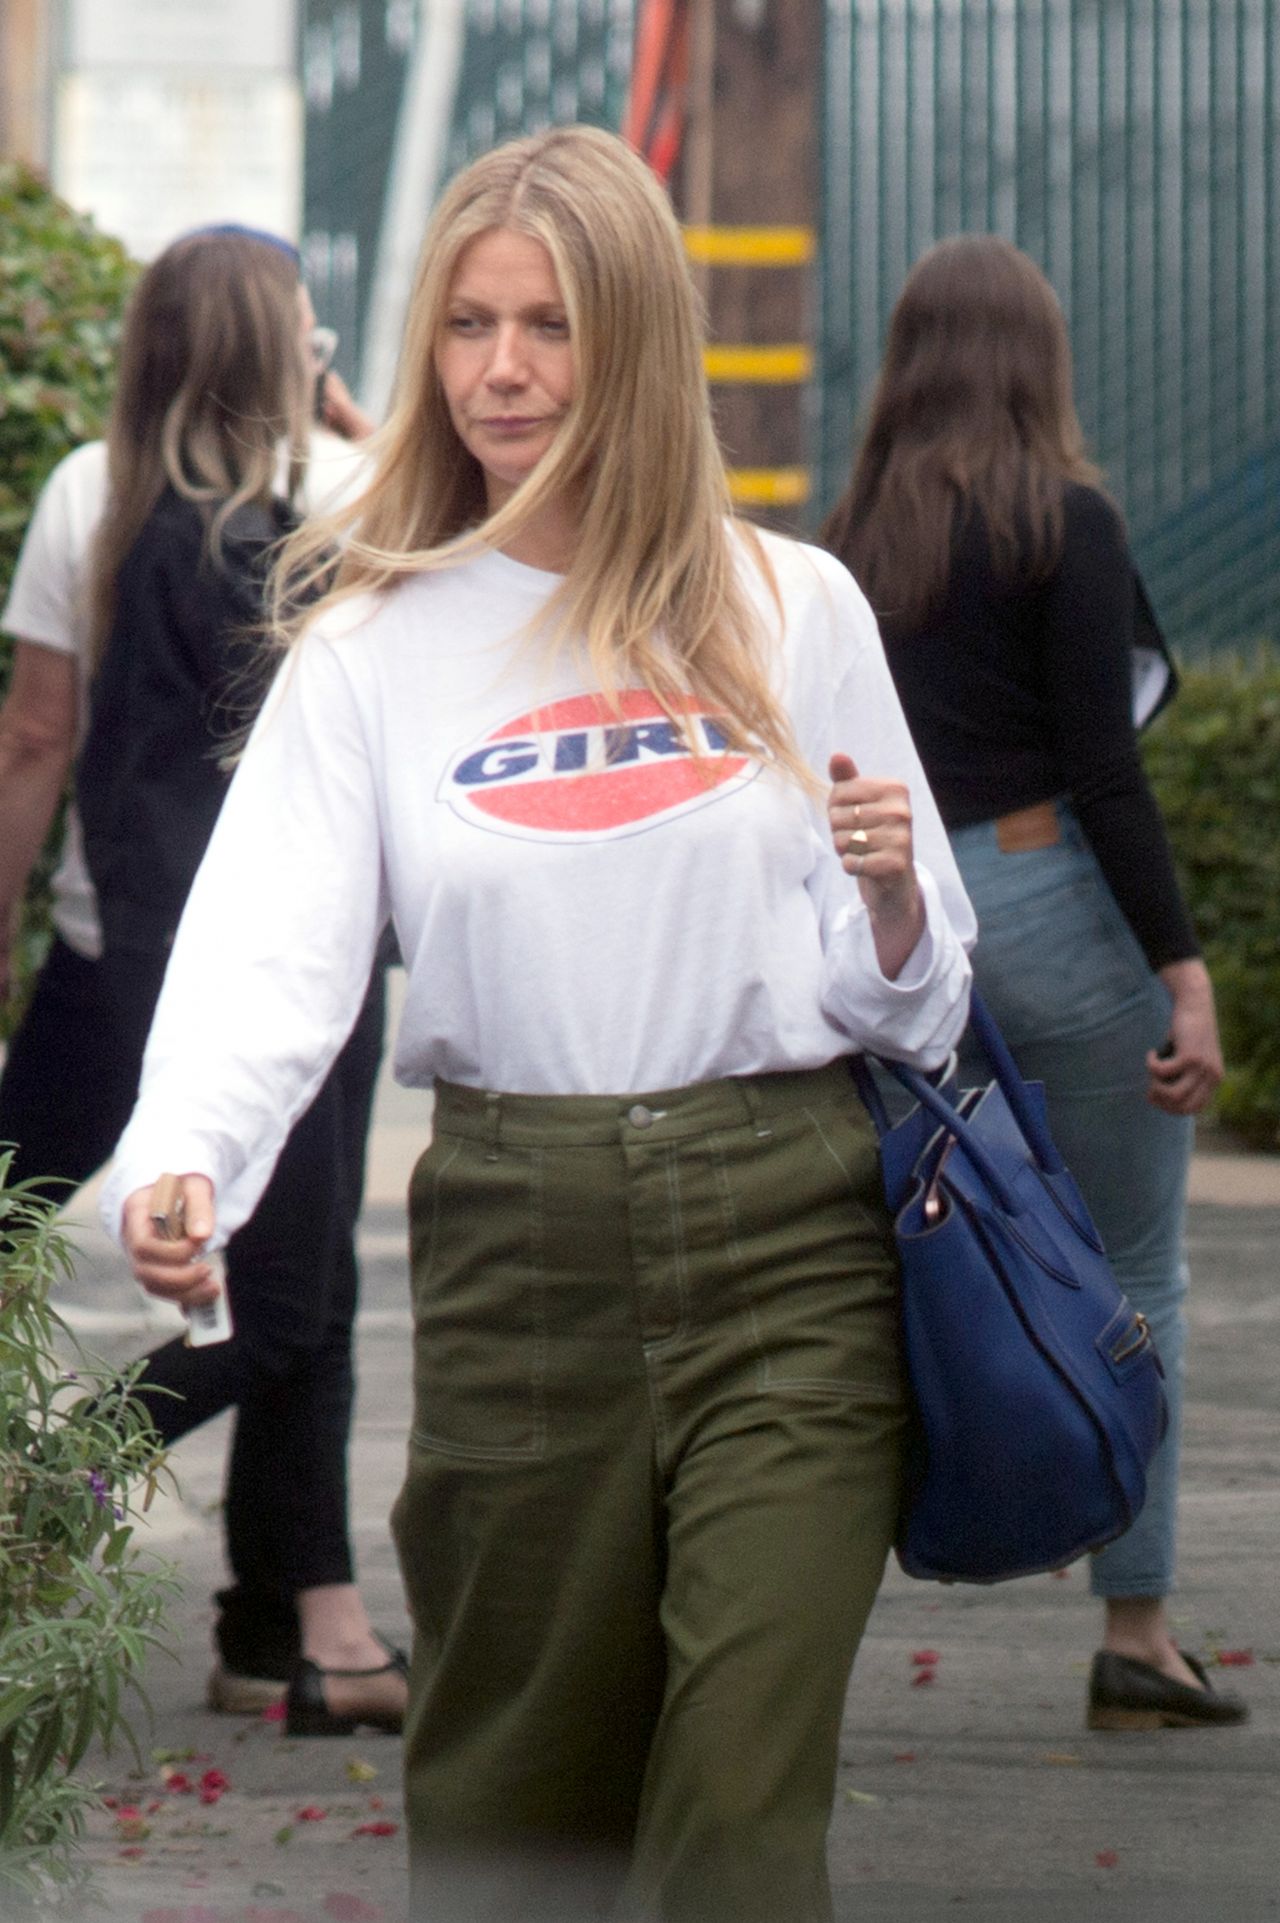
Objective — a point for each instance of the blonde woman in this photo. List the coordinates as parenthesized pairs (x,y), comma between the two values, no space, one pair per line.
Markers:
(136,599)
(594,747)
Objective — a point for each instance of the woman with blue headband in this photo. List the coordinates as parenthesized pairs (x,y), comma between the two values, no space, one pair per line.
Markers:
(138,607)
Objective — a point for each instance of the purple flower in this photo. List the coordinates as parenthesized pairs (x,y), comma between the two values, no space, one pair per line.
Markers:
(98,1484)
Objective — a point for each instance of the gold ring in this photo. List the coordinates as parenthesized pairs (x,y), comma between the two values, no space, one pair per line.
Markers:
(858,838)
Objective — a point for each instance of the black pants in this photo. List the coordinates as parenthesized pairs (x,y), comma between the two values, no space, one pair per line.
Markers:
(67,1090)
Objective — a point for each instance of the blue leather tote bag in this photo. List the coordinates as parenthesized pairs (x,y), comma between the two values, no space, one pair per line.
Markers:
(1037,1389)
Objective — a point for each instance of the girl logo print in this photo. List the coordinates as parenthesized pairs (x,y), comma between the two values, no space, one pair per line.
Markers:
(583,770)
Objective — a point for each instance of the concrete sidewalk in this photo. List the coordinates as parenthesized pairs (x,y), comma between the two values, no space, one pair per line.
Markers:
(979,1796)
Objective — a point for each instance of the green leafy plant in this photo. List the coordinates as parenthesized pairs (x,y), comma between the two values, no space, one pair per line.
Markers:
(80,1602)
(1214,761)
(63,288)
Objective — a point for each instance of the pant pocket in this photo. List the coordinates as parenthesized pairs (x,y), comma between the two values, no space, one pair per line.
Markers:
(811,1241)
(479,1299)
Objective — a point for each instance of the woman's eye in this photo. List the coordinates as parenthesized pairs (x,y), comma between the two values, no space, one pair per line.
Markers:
(556,327)
(463,324)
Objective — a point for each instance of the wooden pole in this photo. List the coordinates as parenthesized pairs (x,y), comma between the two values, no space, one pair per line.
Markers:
(700,136)
(749,198)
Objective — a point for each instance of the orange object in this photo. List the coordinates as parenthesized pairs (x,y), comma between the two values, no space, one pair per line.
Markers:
(654,119)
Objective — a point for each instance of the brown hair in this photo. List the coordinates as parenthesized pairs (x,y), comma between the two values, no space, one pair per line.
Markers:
(972,410)
(212,378)
(656,587)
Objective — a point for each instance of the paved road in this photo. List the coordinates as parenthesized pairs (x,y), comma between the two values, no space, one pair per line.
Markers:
(980,1797)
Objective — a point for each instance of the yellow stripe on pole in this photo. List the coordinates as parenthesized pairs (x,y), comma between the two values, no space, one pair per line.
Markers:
(777,365)
(769,486)
(750,246)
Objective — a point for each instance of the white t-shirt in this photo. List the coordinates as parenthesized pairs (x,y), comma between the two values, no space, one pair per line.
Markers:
(568,924)
(48,604)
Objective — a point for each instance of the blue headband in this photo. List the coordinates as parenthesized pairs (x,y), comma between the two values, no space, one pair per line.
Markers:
(249,233)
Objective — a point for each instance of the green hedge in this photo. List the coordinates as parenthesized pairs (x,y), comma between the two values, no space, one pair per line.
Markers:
(1214,760)
(63,288)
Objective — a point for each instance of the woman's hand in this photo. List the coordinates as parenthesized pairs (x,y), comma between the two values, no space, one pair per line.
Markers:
(172,1270)
(871,829)
(340,412)
(1183,1080)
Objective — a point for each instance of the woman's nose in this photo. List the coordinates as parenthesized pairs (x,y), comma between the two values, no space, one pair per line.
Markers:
(507,368)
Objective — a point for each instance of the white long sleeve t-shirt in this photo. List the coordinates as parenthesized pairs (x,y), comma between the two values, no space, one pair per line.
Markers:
(583,906)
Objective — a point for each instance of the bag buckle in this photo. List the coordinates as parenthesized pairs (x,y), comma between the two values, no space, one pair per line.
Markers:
(1137,1337)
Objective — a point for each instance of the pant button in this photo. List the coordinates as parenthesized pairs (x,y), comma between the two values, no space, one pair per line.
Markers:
(639,1116)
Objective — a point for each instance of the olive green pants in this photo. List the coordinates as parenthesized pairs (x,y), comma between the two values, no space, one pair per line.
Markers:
(652,1481)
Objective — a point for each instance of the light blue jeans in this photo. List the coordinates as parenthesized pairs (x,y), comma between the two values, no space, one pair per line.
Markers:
(1058,965)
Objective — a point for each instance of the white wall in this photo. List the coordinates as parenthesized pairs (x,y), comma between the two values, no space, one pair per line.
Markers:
(174,113)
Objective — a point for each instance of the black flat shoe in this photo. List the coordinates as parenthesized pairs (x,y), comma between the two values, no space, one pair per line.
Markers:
(1126,1694)
(307,1712)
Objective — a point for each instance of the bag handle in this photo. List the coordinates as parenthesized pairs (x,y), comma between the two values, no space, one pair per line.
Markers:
(957,1127)
(1011,1085)
(1014,1089)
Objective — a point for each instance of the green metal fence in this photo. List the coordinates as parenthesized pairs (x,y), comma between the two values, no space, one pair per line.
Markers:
(530,64)
(1132,147)
(515,66)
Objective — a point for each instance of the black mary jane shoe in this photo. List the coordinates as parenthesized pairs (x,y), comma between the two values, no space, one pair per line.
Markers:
(1127,1694)
(307,1712)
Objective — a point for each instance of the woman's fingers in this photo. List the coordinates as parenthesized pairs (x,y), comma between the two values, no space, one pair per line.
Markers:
(870,822)
(871,831)
(165,1243)
(1180,1084)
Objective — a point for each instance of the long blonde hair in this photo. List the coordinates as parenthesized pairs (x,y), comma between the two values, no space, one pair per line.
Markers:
(973,409)
(212,379)
(655,586)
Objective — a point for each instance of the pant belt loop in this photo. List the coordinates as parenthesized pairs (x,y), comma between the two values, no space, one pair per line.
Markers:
(492,1123)
(749,1088)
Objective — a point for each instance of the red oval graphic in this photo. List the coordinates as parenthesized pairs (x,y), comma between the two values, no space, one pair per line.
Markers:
(580,769)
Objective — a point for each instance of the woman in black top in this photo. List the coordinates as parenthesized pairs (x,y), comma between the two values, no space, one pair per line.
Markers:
(1002,580)
(214,393)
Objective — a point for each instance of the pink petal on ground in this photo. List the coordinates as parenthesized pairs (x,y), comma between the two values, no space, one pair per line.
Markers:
(905,1756)
(1106,1859)
(923,1676)
(375,1829)
(311,1814)
(1234,1659)
(350,1909)
(214,1779)
(926,1658)
(274,1712)
(132,1851)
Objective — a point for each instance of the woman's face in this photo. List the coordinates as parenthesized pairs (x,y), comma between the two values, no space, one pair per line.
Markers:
(504,357)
